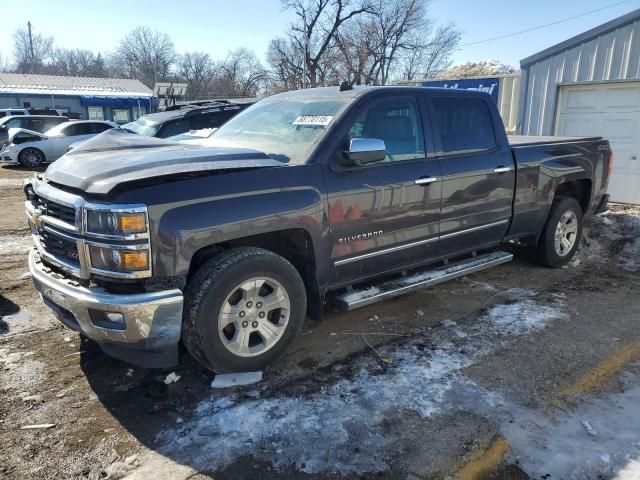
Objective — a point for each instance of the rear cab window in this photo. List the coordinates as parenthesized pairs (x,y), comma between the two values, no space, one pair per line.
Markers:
(465,125)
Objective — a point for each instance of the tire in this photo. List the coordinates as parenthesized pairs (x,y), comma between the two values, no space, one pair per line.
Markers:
(554,252)
(31,157)
(214,298)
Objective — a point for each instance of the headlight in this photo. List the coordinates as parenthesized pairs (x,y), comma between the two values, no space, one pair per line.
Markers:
(119,260)
(106,222)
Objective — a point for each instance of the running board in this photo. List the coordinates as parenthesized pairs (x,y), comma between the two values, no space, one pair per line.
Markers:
(354,299)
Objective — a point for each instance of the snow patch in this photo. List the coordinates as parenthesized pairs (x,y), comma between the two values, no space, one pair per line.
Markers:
(347,415)
(613,237)
(10,182)
(14,244)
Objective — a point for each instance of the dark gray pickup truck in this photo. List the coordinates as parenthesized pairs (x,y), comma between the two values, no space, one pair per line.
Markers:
(323,196)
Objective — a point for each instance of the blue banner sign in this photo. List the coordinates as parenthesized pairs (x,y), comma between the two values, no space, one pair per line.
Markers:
(488,85)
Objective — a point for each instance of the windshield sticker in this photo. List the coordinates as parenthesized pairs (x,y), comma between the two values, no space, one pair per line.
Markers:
(313,120)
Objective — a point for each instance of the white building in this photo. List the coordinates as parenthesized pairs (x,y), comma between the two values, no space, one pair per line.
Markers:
(117,99)
(590,85)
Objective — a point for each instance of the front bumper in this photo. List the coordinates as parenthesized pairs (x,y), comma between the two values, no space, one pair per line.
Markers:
(152,321)
(7,155)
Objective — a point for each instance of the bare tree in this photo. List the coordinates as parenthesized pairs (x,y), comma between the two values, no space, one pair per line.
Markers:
(315,28)
(76,63)
(431,54)
(144,54)
(397,40)
(4,64)
(286,60)
(242,74)
(30,55)
(199,71)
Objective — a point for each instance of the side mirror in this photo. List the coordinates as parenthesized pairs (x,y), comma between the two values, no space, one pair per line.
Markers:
(365,150)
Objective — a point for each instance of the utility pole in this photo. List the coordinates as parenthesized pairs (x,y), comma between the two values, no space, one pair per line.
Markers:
(33,60)
(306,50)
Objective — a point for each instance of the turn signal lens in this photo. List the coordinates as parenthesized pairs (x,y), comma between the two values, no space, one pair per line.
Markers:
(119,260)
(132,223)
(132,261)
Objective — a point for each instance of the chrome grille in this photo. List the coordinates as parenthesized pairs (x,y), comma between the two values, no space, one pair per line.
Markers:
(60,247)
(56,210)
(59,231)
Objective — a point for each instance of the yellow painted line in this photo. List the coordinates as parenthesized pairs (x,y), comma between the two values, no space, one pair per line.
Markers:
(593,379)
(484,462)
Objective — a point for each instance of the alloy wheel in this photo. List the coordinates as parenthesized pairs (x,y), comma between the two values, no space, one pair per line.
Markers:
(254,316)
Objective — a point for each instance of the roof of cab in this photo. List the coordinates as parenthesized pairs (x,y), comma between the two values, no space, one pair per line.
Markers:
(361,90)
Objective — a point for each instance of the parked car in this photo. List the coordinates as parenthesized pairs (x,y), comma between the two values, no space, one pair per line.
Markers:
(7,112)
(30,149)
(178,121)
(228,247)
(35,123)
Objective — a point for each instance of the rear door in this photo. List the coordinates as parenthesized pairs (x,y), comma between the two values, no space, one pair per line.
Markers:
(385,215)
(478,172)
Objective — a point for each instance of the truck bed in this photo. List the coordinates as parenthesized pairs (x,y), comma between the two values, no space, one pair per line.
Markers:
(528,140)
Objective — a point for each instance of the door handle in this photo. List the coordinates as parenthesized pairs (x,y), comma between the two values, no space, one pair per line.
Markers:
(502,169)
(425,180)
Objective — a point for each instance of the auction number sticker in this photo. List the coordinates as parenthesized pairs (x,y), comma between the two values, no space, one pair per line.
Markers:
(313,120)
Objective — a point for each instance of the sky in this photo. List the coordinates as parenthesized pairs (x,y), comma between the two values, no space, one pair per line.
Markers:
(217,26)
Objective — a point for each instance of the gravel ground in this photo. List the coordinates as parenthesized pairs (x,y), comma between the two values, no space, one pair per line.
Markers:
(514,373)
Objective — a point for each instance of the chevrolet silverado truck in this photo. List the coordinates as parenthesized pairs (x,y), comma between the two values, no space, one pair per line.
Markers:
(331,196)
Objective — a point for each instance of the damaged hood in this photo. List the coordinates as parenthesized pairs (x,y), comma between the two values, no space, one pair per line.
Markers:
(14,131)
(114,157)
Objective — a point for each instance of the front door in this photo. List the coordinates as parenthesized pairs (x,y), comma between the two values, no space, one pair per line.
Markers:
(478,173)
(384,215)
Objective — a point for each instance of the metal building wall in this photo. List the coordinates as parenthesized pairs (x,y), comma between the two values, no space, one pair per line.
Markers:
(508,101)
(610,54)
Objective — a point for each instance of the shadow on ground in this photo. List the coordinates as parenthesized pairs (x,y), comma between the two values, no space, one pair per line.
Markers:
(7,307)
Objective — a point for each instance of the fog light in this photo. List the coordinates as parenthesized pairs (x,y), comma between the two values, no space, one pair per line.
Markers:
(110,320)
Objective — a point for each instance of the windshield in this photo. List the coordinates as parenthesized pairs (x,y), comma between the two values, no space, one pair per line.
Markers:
(286,129)
(142,126)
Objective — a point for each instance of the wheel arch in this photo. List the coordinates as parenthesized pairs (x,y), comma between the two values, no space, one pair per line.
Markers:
(295,245)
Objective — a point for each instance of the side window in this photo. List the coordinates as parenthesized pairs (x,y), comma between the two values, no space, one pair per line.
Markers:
(209,120)
(465,125)
(395,121)
(174,128)
(77,129)
(49,123)
(36,124)
(14,123)
(99,127)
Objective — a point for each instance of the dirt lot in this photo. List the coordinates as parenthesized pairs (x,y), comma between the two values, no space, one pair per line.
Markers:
(518,372)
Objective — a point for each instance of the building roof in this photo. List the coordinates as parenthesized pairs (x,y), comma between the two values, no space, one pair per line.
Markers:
(598,31)
(23,83)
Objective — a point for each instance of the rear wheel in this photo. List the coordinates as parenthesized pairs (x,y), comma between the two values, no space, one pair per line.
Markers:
(561,235)
(30,157)
(242,310)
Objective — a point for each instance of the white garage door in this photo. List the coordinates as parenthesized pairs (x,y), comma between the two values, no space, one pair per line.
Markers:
(610,110)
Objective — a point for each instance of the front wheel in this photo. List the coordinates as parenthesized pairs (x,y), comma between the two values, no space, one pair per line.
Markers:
(561,235)
(242,309)
(30,157)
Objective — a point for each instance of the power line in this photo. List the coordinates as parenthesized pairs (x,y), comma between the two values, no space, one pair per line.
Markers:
(545,25)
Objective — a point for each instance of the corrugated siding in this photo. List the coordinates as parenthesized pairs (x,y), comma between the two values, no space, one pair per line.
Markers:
(508,102)
(53,83)
(611,56)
